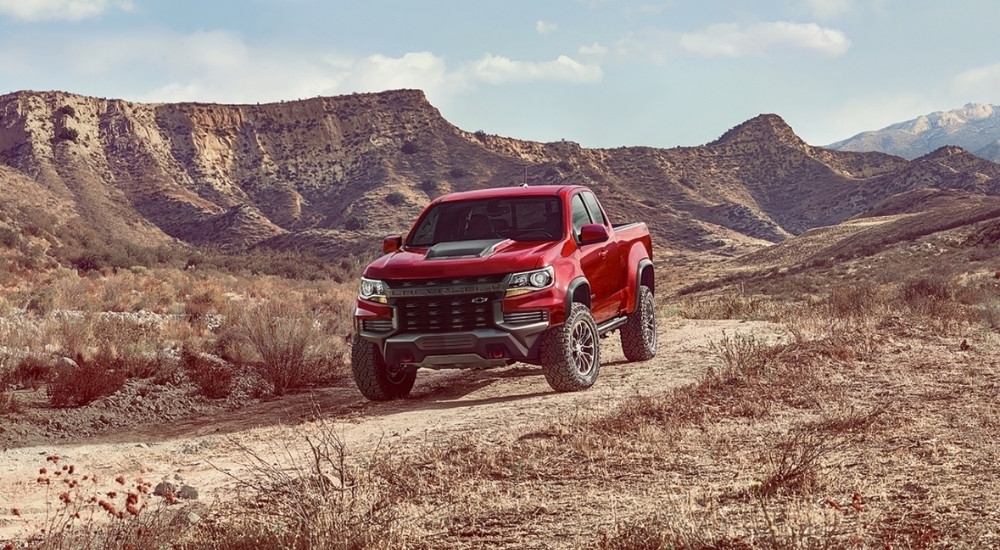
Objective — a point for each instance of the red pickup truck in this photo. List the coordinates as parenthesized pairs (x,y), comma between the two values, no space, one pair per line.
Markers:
(490,277)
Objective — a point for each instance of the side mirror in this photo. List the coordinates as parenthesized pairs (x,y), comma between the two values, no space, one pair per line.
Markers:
(593,233)
(392,243)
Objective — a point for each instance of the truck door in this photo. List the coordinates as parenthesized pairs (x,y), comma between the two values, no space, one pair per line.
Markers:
(599,261)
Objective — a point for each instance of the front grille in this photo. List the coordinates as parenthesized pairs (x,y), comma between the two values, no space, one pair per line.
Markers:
(525,317)
(445,313)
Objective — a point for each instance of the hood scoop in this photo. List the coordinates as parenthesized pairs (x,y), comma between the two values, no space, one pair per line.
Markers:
(463,249)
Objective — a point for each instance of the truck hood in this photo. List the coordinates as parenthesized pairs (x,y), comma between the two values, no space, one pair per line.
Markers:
(463,259)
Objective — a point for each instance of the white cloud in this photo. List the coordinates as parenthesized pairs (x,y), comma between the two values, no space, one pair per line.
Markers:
(593,50)
(494,69)
(73,10)
(650,45)
(826,9)
(225,67)
(421,70)
(981,82)
(757,40)
(544,27)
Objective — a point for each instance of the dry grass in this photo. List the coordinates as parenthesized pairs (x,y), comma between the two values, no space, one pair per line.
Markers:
(117,324)
(323,500)
(838,440)
(872,425)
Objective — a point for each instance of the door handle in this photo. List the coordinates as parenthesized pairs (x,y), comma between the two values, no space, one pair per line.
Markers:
(602,254)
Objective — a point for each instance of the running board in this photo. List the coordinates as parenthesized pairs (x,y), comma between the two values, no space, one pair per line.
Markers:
(610,325)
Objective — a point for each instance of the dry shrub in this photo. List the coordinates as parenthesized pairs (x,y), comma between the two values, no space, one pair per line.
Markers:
(744,355)
(793,465)
(324,500)
(936,300)
(75,293)
(134,340)
(207,298)
(855,302)
(73,333)
(664,412)
(30,372)
(290,348)
(852,421)
(753,379)
(915,292)
(791,522)
(990,310)
(839,344)
(730,306)
(89,380)
(214,377)
(119,293)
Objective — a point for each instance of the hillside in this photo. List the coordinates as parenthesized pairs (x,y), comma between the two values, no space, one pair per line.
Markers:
(331,174)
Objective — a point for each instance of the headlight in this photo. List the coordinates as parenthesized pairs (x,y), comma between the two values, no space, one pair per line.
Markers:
(373,290)
(530,281)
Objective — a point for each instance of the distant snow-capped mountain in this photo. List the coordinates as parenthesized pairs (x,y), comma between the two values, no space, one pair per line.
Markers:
(974,127)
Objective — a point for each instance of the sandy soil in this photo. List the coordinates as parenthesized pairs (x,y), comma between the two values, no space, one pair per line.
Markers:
(205,451)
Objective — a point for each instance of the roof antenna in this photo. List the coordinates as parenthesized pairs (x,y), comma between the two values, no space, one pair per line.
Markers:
(525,182)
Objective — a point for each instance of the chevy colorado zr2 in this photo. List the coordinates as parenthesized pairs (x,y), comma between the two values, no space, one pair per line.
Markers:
(491,277)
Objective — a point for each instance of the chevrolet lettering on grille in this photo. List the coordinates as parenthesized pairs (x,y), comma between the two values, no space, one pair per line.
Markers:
(445,290)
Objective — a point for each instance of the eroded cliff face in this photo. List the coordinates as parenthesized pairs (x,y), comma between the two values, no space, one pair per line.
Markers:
(331,169)
(179,166)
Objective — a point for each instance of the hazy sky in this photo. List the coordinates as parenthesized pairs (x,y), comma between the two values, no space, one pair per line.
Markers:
(603,73)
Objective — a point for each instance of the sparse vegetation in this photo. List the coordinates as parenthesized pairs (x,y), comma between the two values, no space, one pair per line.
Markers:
(395,198)
(290,348)
(770,447)
(431,187)
(459,172)
(89,379)
(355,222)
(68,134)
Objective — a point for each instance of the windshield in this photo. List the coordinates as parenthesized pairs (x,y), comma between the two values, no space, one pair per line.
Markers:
(520,219)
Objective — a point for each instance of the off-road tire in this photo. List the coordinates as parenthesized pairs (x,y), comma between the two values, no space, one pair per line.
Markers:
(639,333)
(571,352)
(376,380)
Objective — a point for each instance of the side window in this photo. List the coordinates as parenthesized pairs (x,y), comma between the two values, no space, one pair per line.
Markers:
(580,215)
(595,209)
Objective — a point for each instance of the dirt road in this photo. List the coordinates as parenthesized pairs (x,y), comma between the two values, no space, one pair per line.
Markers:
(201,451)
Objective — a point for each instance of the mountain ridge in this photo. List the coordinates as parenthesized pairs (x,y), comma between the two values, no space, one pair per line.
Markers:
(974,127)
(355,167)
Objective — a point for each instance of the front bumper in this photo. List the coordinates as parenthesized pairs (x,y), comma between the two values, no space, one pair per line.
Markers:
(511,335)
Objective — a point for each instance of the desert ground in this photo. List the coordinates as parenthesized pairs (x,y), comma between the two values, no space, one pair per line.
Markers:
(855,405)
(207,452)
